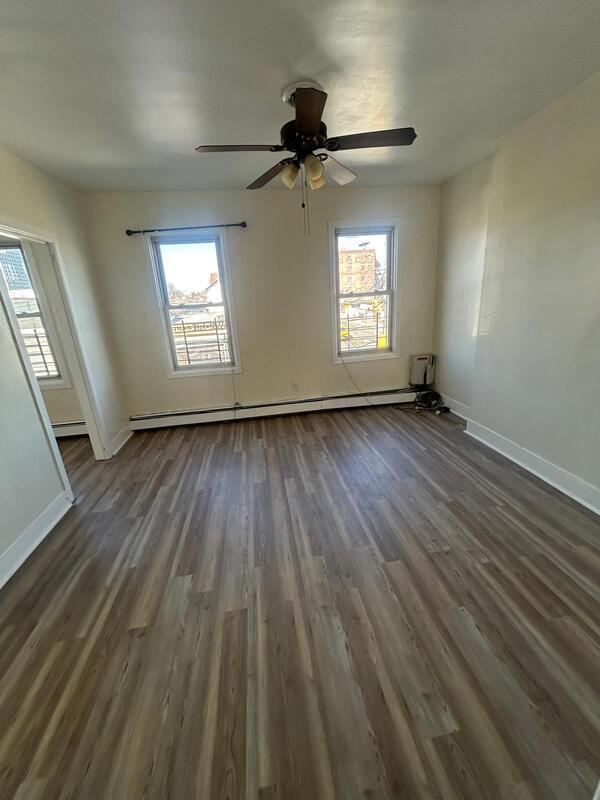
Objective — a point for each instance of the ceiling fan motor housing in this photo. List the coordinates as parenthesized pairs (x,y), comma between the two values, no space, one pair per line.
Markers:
(300,143)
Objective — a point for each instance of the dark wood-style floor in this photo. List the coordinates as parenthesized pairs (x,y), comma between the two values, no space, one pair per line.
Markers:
(362,604)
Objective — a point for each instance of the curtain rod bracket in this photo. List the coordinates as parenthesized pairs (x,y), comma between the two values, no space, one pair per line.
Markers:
(242,224)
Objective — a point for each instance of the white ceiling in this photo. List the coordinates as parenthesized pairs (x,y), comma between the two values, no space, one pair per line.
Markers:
(115,94)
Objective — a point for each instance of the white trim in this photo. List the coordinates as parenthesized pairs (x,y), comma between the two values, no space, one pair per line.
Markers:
(50,384)
(228,302)
(65,429)
(79,371)
(22,547)
(460,409)
(80,375)
(52,334)
(394,276)
(326,404)
(198,372)
(580,490)
(16,228)
(356,358)
(117,442)
(34,388)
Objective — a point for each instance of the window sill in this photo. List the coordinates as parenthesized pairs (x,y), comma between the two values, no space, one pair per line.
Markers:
(356,357)
(48,384)
(201,372)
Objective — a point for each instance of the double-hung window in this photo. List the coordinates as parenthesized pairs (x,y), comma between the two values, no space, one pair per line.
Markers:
(364,267)
(194,293)
(29,305)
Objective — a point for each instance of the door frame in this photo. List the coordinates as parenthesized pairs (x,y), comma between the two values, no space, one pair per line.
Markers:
(34,388)
(76,364)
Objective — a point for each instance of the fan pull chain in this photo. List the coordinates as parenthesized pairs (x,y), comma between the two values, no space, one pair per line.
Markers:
(305,203)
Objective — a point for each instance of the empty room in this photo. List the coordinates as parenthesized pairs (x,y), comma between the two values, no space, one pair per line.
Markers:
(300,430)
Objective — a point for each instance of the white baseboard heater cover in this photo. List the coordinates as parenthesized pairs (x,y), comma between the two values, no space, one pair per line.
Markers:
(195,416)
(78,428)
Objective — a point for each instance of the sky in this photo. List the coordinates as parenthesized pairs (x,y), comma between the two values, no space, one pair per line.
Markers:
(188,265)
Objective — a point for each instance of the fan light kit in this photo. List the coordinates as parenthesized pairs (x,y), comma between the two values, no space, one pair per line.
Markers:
(307,134)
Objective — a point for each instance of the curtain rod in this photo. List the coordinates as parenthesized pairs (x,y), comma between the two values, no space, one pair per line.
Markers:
(242,224)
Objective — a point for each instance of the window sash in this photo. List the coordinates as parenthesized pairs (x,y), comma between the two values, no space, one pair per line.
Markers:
(193,306)
(167,307)
(389,231)
(374,293)
(358,332)
(47,362)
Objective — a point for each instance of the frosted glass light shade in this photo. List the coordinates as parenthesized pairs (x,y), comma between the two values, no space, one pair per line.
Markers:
(316,184)
(314,167)
(289,176)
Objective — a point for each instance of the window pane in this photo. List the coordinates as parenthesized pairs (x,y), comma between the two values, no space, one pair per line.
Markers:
(38,347)
(364,323)
(25,304)
(191,271)
(200,337)
(363,262)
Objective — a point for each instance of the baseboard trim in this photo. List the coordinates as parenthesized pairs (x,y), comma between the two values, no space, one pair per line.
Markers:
(64,429)
(270,410)
(567,483)
(118,441)
(460,409)
(20,550)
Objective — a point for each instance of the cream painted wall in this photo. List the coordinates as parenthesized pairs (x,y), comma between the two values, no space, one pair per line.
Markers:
(537,363)
(30,198)
(538,353)
(281,288)
(29,479)
(463,230)
(62,405)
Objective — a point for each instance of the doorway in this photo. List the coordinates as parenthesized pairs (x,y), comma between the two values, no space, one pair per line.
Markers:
(34,297)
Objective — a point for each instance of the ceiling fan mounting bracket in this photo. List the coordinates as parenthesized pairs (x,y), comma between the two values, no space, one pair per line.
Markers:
(288,92)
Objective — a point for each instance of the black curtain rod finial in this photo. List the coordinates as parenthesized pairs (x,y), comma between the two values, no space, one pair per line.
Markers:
(242,224)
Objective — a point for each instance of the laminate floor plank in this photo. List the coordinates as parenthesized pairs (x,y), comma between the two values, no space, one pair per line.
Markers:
(339,605)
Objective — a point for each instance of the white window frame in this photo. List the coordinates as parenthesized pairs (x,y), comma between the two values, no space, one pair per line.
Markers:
(357,227)
(174,370)
(63,381)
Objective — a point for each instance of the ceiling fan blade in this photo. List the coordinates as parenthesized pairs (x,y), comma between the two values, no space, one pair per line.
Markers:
(309,104)
(337,171)
(237,148)
(269,174)
(391,138)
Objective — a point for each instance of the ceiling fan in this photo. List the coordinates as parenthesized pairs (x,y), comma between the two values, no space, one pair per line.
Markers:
(306,134)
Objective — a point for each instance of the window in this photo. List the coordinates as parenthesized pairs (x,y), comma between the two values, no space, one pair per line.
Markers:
(29,307)
(193,290)
(364,279)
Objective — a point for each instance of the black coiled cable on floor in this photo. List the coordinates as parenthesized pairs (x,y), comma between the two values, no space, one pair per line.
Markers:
(427,400)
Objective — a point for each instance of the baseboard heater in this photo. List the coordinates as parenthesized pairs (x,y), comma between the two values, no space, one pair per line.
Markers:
(62,429)
(166,419)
